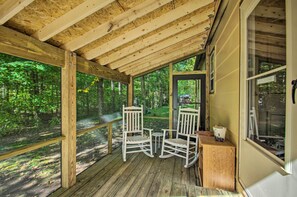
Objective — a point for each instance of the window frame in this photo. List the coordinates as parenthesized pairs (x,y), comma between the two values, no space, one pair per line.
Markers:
(247,7)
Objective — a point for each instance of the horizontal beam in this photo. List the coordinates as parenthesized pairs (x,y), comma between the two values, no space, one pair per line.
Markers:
(23,46)
(146,28)
(197,30)
(70,18)
(20,45)
(89,67)
(178,27)
(30,148)
(114,24)
(10,8)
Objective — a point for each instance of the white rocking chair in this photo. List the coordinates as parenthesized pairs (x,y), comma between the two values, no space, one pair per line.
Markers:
(186,142)
(133,133)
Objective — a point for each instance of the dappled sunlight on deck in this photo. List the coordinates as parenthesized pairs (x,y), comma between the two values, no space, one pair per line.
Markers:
(139,176)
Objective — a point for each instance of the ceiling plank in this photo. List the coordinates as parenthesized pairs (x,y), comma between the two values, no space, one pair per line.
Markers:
(165,60)
(116,23)
(194,31)
(73,16)
(193,41)
(147,28)
(177,28)
(10,8)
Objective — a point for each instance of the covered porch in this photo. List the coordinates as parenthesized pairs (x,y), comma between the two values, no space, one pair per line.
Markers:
(94,56)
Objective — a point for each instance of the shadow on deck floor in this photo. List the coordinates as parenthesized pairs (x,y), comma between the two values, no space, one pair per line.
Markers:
(138,176)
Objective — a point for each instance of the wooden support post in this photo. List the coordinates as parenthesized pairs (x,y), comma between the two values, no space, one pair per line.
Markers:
(69,120)
(130,92)
(109,127)
(170,98)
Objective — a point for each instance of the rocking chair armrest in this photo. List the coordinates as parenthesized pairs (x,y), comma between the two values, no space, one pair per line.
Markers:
(149,130)
(189,136)
(166,130)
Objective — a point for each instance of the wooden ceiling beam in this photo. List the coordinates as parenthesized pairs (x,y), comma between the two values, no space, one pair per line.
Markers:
(202,18)
(148,27)
(23,46)
(184,52)
(114,24)
(193,41)
(73,16)
(10,8)
(199,31)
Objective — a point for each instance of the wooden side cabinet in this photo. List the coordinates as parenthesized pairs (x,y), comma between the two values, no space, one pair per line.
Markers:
(216,164)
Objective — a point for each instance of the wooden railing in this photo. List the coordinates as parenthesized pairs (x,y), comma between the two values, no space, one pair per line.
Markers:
(109,134)
(30,147)
(38,145)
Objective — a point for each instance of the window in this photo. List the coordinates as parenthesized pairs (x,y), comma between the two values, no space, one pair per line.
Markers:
(265,79)
(212,71)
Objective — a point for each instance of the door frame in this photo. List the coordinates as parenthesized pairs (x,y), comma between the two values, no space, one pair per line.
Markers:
(181,76)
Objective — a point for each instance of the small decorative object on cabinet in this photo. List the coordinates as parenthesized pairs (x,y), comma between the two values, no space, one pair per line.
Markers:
(216,164)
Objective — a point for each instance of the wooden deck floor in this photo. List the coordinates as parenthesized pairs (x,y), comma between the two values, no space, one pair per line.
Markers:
(138,176)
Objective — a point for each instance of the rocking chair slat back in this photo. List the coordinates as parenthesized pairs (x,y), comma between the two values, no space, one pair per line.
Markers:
(132,119)
(188,120)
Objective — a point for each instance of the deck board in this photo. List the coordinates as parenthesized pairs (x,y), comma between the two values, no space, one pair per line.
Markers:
(138,176)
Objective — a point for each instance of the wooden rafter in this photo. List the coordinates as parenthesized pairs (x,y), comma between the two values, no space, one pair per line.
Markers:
(73,16)
(171,58)
(193,41)
(11,8)
(177,28)
(116,23)
(147,28)
(170,52)
(197,31)
(20,45)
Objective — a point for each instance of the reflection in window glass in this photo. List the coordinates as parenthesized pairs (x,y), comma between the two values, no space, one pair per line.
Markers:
(30,103)
(267,76)
(36,173)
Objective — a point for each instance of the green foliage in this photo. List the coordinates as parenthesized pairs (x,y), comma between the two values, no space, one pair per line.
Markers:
(29,92)
(151,90)
(185,65)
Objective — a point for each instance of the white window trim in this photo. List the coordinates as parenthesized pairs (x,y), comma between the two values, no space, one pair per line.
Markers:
(285,167)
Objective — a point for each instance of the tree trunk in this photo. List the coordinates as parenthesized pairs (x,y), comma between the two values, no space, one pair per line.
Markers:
(100,97)
(143,91)
(112,97)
